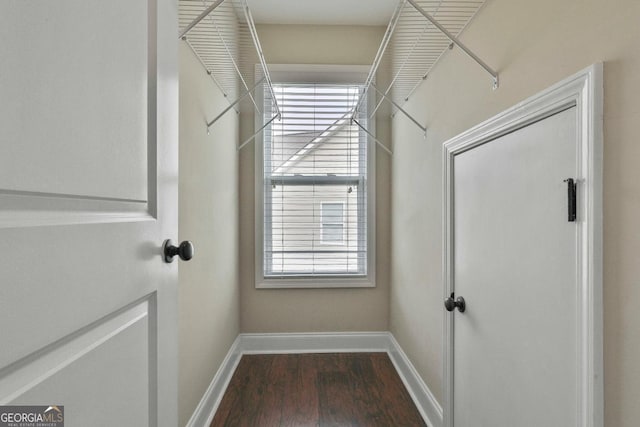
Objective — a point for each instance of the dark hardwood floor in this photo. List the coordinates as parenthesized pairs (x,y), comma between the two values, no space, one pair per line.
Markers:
(320,390)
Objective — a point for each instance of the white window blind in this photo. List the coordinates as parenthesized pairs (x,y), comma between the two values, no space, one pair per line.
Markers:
(315,182)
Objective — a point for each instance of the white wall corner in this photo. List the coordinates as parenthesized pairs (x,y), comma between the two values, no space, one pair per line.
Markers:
(206,409)
(318,342)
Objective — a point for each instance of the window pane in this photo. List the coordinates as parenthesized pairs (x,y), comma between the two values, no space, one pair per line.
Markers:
(296,216)
(332,213)
(332,233)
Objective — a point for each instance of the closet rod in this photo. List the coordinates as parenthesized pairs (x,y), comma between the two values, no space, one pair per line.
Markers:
(252,137)
(240,98)
(402,110)
(457,42)
(200,18)
(384,147)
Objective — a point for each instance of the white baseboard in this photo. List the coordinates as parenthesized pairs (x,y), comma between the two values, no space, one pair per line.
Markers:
(422,396)
(338,342)
(203,415)
(316,342)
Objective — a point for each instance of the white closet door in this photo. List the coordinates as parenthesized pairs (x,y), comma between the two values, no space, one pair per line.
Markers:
(515,346)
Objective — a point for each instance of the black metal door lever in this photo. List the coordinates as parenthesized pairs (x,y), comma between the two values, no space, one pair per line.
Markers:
(184,250)
(450,304)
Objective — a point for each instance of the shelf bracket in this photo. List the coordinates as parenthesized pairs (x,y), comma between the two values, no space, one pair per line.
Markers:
(402,110)
(457,42)
(252,137)
(240,98)
(380,144)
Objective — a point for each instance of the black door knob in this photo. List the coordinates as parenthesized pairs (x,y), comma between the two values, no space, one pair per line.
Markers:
(450,304)
(184,250)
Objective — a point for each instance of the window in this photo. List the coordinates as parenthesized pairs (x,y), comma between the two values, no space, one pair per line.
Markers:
(314,187)
(332,223)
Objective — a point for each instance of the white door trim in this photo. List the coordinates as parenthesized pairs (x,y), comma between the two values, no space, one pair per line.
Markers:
(584,91)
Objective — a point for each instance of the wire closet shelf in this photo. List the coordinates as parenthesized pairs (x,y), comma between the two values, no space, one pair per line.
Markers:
(418,35)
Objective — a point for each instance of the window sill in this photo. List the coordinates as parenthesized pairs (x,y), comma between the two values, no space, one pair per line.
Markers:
(315,283)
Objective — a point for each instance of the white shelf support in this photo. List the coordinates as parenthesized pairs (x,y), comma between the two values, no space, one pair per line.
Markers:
(209,72)
(457,42)
(402,110)
(256,41)
(235,64)
(207,13)
(380,144)
(252,137)
(240,98)
(381,50)
(395,77)
(200,17)
(404,63)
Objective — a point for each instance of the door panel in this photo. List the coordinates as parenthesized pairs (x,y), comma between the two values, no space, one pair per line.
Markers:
(76,89)
(88,193)
(515,347)
(120,348)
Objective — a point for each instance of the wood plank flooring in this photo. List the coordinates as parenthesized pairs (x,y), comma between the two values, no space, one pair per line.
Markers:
(319,390)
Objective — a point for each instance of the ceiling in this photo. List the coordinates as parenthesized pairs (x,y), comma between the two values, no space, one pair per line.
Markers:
(323,12)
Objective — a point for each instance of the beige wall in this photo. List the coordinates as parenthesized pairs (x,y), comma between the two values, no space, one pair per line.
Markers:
(533,45)
(209,296)
(309,310)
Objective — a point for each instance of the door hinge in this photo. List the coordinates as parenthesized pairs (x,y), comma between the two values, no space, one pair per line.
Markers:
(572,203)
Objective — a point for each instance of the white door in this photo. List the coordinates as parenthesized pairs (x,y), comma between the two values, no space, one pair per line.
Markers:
(88,192)
(514,262)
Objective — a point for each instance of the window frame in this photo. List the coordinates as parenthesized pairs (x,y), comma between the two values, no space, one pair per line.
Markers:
(338,74)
